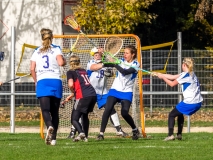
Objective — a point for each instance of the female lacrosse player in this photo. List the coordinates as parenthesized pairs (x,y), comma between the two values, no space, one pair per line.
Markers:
(122,91)
(47,60)
(98,77)
(191,94)
(85,97)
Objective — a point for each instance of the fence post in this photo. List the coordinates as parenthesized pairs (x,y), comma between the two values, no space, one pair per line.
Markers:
(12,72)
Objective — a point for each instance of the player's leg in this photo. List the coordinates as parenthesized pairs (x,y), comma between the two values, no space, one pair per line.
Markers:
(76,114)
(116,122)
(171,122)
(125,105)
(54,110)
(180,121)
(111,101)
(89,104)
(72,132)
(45,109)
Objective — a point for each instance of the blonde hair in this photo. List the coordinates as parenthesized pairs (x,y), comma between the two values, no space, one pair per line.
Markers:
(189,63)
(75,62)
(46,36)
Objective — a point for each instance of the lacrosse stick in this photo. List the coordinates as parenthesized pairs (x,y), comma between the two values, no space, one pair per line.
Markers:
(16,78)
(114,60)
(113,45)
(70,21)
(81,40)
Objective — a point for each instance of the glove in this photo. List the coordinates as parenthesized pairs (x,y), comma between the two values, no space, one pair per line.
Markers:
(108,73)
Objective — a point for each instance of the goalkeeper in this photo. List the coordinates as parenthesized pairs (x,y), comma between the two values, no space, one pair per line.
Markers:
(98,77)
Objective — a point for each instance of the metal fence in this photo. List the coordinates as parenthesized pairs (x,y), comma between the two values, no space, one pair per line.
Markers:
(155,91)
(158,94)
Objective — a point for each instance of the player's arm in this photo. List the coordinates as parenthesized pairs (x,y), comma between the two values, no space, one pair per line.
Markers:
(168,81)
(1,83)
(61,60)
(125,71)
(71,85)
(95,67)
(169,76)
(32,70)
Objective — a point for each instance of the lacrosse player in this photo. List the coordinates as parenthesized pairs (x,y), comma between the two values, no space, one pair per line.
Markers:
(98,78)
(192,98)
(85,97)
(122,91)
(47,60)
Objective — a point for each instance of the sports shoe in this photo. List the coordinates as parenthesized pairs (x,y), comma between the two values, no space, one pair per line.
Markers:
(48,138)
(178,137)
(85,139)
(135,134)
(121,133)
(100,137)
(53,142)
(81,136)
(72,134)
(169,138)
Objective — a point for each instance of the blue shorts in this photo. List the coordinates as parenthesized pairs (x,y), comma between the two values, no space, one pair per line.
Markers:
(121,95)
(188,109)
(49,87)
(101,100)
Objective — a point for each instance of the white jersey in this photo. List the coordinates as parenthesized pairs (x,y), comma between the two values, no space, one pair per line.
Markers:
(190,88)
(97,78)
(46,64)
(125,83)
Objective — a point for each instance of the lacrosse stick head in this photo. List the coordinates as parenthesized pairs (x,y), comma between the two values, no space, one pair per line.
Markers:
(70,21)
(113,45)
(109,58)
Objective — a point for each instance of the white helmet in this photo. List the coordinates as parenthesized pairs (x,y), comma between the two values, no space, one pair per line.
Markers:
(93,51)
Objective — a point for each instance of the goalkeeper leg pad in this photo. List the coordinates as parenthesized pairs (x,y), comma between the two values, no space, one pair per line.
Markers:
(115,119)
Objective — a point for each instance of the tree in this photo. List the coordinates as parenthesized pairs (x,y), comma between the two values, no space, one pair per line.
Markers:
(177,16)
(112,16)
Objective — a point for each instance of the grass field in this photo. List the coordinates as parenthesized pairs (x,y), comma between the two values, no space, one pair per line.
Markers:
(194,146)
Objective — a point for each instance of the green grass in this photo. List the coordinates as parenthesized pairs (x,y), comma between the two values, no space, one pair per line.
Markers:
(194,146)
(21,123)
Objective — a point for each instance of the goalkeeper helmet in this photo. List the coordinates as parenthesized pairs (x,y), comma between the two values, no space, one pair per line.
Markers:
(93,51)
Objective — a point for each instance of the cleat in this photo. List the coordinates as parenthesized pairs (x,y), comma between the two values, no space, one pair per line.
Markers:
(122,133)
(81,136)
(169,138)
(48,137)
(85,139)
(178,137)
(100,137)
(135,134)
(72,134)
(53,142)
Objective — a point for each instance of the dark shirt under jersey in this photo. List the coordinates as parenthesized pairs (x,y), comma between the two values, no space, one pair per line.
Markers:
(82,85)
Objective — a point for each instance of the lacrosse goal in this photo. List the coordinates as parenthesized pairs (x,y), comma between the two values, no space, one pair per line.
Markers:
(136,110)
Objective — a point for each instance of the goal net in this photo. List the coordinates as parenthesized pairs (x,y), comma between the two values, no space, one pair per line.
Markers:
(66,42)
